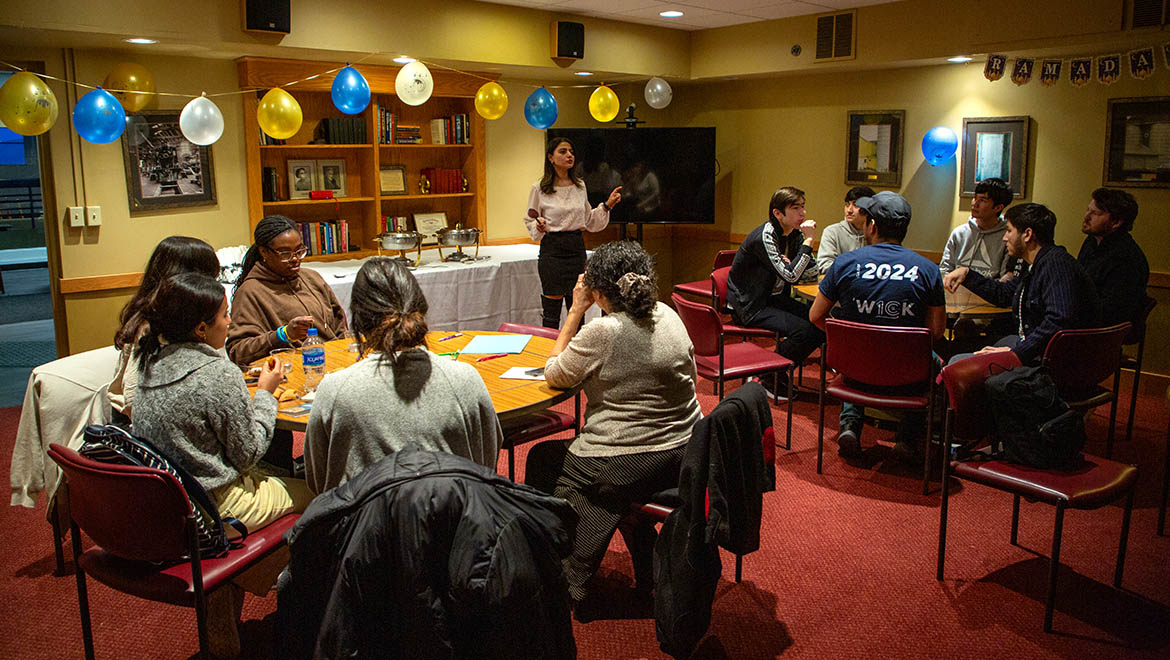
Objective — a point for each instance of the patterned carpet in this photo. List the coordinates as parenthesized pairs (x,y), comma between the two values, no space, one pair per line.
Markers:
(27,353)
(31,307)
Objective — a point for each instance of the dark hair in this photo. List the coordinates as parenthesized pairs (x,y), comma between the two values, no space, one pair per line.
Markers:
(549,180)
(857,192)
(177,307)
(173,255)
(997,189)
(387,309)
(1119,204)
(890,229)
(783,198)
(266,231)
(607,272)
(1036,217)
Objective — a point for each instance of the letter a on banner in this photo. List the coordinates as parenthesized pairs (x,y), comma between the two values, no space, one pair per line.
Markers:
(1108,69)
(1022,71)
(1080,71)
(1050,72)
(1141,63)
(995,66)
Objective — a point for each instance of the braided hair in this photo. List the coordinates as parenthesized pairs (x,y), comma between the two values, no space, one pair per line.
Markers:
(173,255)
(624,272)
(266,231)
(387,308)
(175,309)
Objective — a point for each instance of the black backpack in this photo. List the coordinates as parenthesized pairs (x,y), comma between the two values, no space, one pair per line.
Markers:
(1032,424)
(113,444)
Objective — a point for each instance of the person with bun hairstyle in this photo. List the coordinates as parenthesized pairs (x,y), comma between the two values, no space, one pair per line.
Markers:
(173,255)
(400,394)
(636,366)
(275,300)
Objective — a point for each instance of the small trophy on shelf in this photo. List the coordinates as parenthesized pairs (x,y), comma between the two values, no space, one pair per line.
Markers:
(424,185)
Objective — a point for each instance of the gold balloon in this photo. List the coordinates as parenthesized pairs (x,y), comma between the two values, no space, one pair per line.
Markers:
(27,105)
(279,114)
(137,80)
(603,104)
(491,101)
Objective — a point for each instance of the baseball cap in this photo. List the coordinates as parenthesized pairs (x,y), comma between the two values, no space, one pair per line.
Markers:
(886,205)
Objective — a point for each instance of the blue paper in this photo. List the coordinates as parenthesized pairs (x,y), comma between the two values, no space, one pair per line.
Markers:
(491,344)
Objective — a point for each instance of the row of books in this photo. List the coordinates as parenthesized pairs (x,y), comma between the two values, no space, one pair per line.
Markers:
(394,223)
(325,237)
(390,131)
(269,141)
(407,134)
(451,130)
(343,130)
(444,180)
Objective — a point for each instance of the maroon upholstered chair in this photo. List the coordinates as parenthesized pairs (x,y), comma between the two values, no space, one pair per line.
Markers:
(702,288)
(1137,336)
(717,360)
(537,425)
(1079,360)
(1093,483)
(145,534)
(719,300)
(868,357)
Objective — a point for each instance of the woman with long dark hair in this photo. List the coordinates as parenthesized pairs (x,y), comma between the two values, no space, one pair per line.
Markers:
(636,366)
(173,255)
(275,300)
(401,394)
(558,211)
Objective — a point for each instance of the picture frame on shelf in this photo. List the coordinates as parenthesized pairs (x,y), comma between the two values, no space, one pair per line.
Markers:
(392,179)
(1137,143)
(164,170)
(873,148)
(995,147)
(429,224)
(331,176)
(302,178)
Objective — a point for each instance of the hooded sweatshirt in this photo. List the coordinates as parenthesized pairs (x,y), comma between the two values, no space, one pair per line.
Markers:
(981,250)
(265,301)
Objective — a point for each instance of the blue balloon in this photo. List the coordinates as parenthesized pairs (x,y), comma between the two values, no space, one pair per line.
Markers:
(939,144)
(540,109)
(351,92)
(98,117)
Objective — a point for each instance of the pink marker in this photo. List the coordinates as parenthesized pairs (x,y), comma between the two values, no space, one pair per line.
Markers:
(491,357)
(457,334)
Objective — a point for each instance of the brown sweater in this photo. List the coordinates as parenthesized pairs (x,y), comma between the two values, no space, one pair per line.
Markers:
(265,301)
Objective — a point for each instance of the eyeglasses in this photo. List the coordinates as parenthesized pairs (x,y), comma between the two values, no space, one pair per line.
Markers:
(288,257)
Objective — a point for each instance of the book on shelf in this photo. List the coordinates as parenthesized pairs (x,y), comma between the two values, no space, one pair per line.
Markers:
(325,236)
(387,125)
(393,223)
(269,141)
(450,130)
(444,180)
(342,130)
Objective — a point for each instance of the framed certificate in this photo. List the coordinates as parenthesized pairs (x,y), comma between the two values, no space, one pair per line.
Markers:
(393,179)
(429,224)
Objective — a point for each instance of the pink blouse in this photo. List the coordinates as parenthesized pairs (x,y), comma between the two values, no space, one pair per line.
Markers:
(566,209)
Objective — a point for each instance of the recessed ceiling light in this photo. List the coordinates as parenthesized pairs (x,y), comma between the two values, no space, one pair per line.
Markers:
(673,13)
(582,73)
(959,59)
(404,59)
(140,40)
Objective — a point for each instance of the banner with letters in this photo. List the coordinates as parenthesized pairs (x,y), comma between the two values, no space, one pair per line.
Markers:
(1139,64)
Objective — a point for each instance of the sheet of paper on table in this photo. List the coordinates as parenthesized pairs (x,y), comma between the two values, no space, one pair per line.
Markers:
(490,344)
(524,373)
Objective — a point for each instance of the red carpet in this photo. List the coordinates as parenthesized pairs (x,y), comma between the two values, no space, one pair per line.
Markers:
(846,571)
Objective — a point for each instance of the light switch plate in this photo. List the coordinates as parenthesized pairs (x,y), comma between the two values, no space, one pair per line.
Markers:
(93,216)
(76,216)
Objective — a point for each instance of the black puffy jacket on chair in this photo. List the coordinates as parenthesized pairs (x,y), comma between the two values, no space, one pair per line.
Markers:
(428,555)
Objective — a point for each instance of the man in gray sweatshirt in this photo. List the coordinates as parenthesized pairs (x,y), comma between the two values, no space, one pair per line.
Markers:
(844,236)
(978,244)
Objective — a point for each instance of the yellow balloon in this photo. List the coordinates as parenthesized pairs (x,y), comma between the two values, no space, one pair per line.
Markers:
(491,101)
(603,104)
(135,78)
(27,105)
(279,114)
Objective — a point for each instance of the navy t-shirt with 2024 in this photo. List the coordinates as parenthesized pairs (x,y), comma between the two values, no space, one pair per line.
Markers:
(884,284)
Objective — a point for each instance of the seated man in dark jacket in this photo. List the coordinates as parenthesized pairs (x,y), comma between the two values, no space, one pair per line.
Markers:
(1113,260)
(1055,294)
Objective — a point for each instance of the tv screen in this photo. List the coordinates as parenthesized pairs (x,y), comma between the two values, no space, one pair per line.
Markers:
(667,174)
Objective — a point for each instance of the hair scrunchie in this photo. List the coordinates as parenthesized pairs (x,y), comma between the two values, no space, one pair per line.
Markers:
(626,281)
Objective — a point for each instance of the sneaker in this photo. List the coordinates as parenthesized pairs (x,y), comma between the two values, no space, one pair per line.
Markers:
(849,441)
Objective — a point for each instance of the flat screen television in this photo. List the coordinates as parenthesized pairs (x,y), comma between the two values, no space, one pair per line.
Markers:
(667,174)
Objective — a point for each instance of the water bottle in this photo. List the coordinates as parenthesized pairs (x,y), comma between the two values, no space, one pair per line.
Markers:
(313,360)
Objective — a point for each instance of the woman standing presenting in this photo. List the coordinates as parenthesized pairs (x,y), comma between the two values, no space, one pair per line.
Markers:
(558,210)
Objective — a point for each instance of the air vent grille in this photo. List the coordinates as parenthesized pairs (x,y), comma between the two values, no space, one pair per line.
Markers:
(836,38)
(1148,13)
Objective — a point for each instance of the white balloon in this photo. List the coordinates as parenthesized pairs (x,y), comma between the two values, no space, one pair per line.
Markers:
(658,93)
(201,121)
(414,84)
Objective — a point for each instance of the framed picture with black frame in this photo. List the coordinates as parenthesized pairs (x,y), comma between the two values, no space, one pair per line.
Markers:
(873,148)
(163,169)
(995,147)
(1137,143)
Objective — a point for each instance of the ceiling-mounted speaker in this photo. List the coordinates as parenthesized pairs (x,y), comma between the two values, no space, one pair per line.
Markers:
(568,40)
(268,16)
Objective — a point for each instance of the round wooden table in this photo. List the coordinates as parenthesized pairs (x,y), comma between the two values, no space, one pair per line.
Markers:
(511,398)
(962,303)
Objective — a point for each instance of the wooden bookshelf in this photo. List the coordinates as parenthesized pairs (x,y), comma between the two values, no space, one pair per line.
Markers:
(364,205)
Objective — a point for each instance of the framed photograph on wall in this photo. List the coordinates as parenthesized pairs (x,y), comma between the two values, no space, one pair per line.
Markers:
(995,147)
(302,178)
(1137,143)
(163,169)
(392,179)
(873,148)
(429,224)
(332,173)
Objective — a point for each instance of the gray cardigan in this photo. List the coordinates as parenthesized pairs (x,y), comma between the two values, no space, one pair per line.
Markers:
(193,405)
(372,409)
